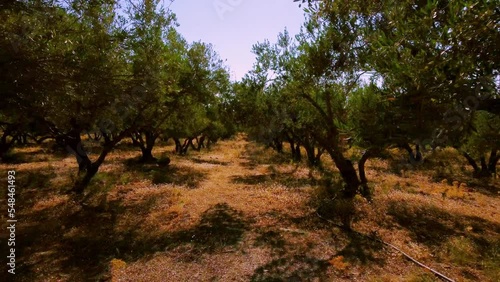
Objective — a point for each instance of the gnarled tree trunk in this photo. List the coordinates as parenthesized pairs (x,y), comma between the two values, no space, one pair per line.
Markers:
(146,145)
(93,167)
(73,144)
(365,190)
(313,158)
(295,149)
(413,157)
(348,173)
(201,142)
(492,164)
(183,149)
(91,171)
(277,145)
(5,143)
(487,168)
(178,145)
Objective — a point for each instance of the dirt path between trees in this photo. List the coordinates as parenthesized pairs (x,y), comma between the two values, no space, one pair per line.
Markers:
(236,212)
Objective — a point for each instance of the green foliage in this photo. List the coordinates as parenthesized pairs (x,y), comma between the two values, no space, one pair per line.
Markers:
(370,118)
(437,61)
(302,90)
(492,262)
(461,250)
(103,182)
(485,136)
(122,70)
(105,68)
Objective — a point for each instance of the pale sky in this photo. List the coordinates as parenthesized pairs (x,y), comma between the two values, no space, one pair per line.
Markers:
(233,26)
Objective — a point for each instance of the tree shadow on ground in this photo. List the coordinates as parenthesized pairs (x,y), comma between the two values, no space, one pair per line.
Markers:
(219,227)
(30,184)
(251,179)
(432,226)
(272,239)
(208,161)
(186,176)
(293,268)
(17,156)
(171,174)
(30,238)
(287,179)
(54,149)
(92,242)
(484,186)
(260,155)
(362,249)
(359,249)
(35,179)
(76,242)
(310,221)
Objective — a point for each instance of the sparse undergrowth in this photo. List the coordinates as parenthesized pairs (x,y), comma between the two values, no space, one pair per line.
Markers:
(239,212)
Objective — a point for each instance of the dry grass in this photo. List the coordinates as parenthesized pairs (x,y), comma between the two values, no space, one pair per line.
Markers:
(240,212)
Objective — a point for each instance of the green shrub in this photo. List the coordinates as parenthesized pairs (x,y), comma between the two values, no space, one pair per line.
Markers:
(461,250)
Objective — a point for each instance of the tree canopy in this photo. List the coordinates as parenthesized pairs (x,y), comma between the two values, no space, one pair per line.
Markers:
(407,74)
